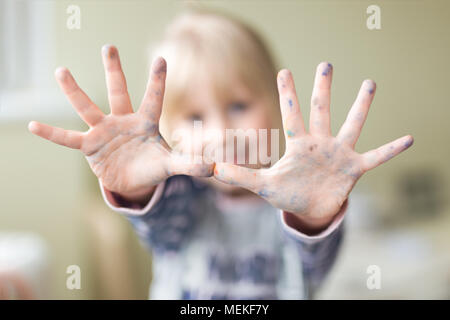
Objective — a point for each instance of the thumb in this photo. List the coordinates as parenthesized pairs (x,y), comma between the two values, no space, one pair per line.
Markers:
(236,175)
(179,163)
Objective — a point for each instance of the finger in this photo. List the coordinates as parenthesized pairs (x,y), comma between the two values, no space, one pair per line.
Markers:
(186,164)
(290,109)
(351,129)
(88,111)
(67,138)
(152,102)
(319,122)
(119,99)
(374,158)
(236,175)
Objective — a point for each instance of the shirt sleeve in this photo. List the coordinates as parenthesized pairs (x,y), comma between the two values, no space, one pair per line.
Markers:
(318,252)
(166,221)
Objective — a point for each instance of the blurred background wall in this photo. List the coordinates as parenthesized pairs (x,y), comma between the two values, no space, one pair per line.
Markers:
(400,213)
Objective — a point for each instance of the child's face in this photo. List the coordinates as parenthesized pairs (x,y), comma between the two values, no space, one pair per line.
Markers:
(242,110)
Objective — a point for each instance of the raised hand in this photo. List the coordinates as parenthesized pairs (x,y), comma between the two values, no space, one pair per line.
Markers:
(125,150)
(317,172)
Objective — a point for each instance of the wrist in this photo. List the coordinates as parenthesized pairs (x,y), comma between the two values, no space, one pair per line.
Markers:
(307,226)
(140,197)
(311,225)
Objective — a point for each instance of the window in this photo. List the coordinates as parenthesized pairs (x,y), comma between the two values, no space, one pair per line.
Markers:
(27,88)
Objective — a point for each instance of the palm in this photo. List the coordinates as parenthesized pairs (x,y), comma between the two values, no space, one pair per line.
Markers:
(120,149)
(317,175)
(317,172)
(124,149)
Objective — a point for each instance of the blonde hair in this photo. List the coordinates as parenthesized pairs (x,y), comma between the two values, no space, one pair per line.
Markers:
(203,41)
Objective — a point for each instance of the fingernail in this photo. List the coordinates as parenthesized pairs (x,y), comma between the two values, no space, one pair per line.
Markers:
(409,142)
(370,85)
(326,71)
(32,126)
(160,65)
(105,49)
(108,50)
(61,73)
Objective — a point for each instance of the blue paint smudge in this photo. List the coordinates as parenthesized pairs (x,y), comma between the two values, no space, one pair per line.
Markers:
(151,128)
(327,154)
(263,193)
(327,70)
(290,133)
(408,143)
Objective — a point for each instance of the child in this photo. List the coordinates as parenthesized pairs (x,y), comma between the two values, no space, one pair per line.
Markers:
(223,230)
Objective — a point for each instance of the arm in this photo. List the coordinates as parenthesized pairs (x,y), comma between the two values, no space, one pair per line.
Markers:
(124,149)
(166,220)
(318,250)
(312,181)
(317,172)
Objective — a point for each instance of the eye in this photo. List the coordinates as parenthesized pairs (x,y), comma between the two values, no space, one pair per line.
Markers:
(237,107)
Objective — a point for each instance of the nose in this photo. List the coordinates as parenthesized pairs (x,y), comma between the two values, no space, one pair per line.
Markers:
(220,121)
(216,126)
